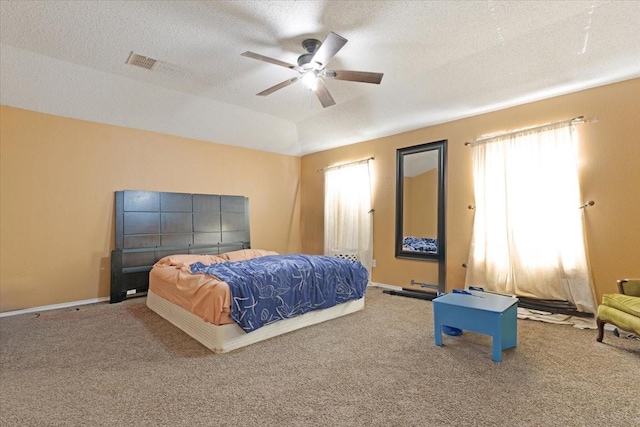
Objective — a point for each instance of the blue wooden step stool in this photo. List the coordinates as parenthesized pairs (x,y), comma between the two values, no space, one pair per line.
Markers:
(479,311)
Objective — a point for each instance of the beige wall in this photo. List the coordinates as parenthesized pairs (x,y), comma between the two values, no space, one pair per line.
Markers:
(58,178)
(609,173)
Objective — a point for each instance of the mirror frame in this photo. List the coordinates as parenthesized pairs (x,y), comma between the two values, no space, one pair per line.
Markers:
(441,148)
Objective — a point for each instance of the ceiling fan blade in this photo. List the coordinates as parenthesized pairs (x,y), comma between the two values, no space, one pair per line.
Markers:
(278,86)
(323,95)
(357,76)
(271,60)
(332,44)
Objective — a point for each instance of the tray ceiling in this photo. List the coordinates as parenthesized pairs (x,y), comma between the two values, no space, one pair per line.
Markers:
(442,60)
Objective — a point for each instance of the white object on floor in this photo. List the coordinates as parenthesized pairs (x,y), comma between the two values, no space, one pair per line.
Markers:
(564,319)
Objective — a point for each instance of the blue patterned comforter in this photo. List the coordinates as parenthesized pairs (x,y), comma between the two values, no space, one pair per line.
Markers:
(270,288)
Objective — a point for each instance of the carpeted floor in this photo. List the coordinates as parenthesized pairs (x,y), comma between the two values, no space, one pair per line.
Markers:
(123,365)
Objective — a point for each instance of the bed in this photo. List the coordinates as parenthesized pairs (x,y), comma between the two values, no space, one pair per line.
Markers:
(249,306)
(183,252)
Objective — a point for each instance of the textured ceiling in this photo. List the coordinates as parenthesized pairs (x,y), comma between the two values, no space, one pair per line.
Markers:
(442,60)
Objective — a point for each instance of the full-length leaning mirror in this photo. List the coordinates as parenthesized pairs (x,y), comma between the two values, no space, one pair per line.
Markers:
(420,201)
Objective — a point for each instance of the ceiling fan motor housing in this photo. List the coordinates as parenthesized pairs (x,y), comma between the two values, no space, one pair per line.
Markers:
(304,59)
(311,46)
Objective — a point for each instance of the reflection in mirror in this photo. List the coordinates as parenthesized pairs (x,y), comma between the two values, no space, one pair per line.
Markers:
(420,201)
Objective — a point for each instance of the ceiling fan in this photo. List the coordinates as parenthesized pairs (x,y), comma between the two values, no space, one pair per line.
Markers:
(311,68)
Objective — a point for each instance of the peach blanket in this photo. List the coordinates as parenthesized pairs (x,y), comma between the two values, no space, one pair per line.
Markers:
(201,294)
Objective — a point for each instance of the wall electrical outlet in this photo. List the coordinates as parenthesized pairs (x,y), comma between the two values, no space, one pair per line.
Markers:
(373,264)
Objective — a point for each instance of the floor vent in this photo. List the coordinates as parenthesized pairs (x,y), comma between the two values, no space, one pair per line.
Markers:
(141,61)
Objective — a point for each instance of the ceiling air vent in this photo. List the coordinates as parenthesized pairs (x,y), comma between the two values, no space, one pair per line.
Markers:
(141,61)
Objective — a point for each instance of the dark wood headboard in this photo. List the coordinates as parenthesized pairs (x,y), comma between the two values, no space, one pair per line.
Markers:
(151,225)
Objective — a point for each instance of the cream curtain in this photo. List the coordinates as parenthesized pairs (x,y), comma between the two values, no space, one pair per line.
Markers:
(348,224)
(528,232)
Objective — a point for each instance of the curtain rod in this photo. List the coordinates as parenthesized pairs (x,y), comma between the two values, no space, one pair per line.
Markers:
(589,203)
(345,164)
(575,120)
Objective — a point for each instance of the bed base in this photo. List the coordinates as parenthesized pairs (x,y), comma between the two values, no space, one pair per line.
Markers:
(224,338)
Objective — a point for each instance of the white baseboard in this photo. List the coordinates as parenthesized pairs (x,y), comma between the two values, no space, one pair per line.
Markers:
(96,300)
(53,307)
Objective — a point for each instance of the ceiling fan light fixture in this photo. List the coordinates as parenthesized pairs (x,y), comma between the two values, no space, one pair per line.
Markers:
(310,79)
(328,74)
